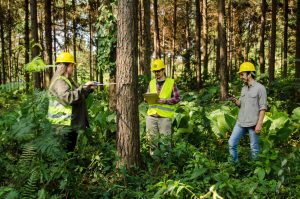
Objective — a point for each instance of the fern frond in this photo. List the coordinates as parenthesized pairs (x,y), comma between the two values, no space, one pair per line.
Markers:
(28,154)
(31,187)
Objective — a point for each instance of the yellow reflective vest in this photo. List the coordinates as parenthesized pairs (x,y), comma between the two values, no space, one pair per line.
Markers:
(163,110)
(59,114)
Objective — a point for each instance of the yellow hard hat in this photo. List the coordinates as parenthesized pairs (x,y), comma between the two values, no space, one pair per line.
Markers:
(157,64)
(65,57)
(246,66)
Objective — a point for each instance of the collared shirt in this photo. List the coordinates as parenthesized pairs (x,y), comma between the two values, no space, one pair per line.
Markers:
(175,97)
(253,99)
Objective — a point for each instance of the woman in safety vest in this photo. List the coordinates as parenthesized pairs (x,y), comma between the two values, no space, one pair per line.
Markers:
(67,107)
(160,114)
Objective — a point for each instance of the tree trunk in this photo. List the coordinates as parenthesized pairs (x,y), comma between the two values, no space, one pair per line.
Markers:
(54,29)
(187,53)
(141,38)
(157,50)
(230,30)
(48,38)
(128,138)
(10,68)
(74,23)
(272,43)
(223,50)
(285,36)
(147,39)
(26,38)
(2,44)
(198,44)
(34,33)
(297,56)
(91,43)
(262,36)
(65,25)
(174,38)
(204,40)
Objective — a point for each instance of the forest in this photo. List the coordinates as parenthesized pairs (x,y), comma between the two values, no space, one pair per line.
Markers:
(202,44)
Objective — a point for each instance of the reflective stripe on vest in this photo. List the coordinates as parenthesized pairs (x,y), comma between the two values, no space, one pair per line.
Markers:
(163,110)
(59,114)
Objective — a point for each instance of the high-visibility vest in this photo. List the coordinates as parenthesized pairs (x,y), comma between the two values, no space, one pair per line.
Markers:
(59,114)
(163,110)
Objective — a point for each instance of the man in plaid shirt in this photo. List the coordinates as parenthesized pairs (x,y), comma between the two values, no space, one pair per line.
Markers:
(160,114)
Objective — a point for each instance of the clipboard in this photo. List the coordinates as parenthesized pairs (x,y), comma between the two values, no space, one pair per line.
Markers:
(150,97)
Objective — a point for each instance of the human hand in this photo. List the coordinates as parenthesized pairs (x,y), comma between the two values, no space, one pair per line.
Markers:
(90,84)
(258,128)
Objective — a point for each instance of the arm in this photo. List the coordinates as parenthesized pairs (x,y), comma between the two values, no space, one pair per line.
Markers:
(175,97)
(259,124)
(262,103)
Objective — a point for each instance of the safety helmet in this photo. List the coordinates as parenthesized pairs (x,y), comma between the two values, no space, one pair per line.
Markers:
(157,64)
(247,66)
(65,57)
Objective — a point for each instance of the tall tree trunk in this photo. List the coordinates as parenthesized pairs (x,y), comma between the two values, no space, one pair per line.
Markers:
(147,39)
(223,50)
(187,53)
(91,43)
(10,69)
(230,30)
(2,44)
(262,36)
(26,38)
(34,33)
(141,39)
(54,29)
(297,56)
(48,38)
(285,36)
(198,44)
(128,138)
(204,40)
(74,22)
(65,25)
(174,38)
(272,43)
(157,50)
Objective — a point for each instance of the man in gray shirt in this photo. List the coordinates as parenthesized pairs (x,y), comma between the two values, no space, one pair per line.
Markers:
(253,104)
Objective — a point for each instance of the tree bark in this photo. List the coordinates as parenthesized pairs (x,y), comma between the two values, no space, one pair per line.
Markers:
(262,36)
(272,43)
(204,40)
(91,43)
(74,23)
(147,39)
(26,38)
(48,38)
(141,38)
(128,139)
(34,33)
(285,36)
(174,38)
(223,50)
(198,44)
(157,49)
(65,25)
(297,56)
(2,44)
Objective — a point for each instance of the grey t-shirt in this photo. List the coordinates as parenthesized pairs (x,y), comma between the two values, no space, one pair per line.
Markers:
(253,99)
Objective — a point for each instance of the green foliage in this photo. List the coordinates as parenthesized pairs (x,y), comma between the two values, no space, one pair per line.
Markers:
(107,37)
(33,163)
(36,65)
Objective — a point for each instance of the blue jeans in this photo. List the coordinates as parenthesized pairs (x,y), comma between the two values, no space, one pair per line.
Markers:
(237,133)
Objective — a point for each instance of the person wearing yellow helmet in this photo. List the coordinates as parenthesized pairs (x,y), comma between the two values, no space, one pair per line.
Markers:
(67,107)
(253,104)
(160,113)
